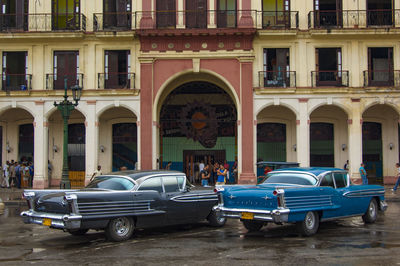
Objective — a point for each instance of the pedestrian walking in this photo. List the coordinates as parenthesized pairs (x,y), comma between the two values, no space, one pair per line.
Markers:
(363,174)
(398,177)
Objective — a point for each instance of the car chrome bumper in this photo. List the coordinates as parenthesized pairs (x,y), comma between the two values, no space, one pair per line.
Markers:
(276,216)
(60,221)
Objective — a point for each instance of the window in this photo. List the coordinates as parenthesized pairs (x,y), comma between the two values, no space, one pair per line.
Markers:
(170,184)
(327,181)
(152,184)
(276,67)
(340,179)
(114,183)
(290,178)
(181,181)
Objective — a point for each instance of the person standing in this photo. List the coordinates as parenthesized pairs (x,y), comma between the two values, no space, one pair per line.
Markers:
(18,174)
(205,175)
(12,178)
(6,175)
(398,177)
(227,166)
(96,172)
(221,175)
(363,174)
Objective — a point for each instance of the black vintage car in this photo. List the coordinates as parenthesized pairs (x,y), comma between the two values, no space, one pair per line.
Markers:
(122,201)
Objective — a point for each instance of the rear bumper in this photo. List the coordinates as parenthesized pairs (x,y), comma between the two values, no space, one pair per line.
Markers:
(277,215)
(60,221)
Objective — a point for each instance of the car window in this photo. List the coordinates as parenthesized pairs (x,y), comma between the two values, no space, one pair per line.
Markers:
(327,181)
(170,184)
(111,182)
(152,184)
(290,178)
(181,181)
(340,180)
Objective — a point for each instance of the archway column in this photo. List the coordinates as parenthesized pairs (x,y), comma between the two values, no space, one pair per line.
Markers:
(40,126)
(355,141)
(92,141)
(146,121)
(247,123)
(303,134)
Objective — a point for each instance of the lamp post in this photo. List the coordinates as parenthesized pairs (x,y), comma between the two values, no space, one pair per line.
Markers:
(66,108)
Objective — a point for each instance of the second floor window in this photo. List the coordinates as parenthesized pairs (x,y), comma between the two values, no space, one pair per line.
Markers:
(276,67)
(276,13)
(13,15)
(117,14)
(166,13)
(65,14)
(117,69)
(14,68)
(65,66)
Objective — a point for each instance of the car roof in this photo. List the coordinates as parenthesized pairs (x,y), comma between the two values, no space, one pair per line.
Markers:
(312,170)
(135,175)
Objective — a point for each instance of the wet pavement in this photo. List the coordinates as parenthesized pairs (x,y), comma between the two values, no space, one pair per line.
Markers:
(344,242)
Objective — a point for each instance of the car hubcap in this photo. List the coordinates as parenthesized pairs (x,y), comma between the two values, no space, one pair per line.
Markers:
(372,209)
(121,226)
(310,220)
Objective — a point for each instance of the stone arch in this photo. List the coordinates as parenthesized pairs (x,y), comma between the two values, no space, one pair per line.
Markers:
(187,76)
(109,106)
(343,107)
(266,105)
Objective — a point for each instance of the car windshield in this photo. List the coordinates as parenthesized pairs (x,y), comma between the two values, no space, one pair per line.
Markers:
(290,178)
(111,182)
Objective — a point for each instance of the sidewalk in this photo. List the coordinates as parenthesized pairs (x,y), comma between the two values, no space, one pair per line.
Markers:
(13,197)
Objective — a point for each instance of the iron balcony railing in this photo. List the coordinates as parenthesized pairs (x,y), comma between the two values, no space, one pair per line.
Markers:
(354,18)
(279,19)
(116,80)
(196,19)
(280,79)
(42,22)
(332,78)
(57,81)
(114,21)
(16,82)
(379,78)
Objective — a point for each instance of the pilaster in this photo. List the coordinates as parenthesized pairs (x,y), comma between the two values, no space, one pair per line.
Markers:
(40,125)
(303,134)
(92,140)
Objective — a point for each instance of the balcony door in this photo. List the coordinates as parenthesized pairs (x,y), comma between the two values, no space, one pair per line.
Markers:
(117,14)
(166,13)
(116,69)
(196,14)
(13,15)
(66,65)
(380,66)
(226,14)
(276,13)
(276,67)
(328,66)
(380,12)
(66,14)
(328,13)
(14,70)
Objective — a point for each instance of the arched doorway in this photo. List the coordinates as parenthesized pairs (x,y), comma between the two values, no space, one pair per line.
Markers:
(321,145)
(197,123)
(76,148)
(379,139)
(118,139)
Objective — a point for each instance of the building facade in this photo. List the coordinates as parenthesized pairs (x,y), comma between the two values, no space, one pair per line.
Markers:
(184,81)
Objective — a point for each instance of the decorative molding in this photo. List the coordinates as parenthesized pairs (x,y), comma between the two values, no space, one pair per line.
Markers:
(303,100)
(355,100)
(45,124)
(196,65)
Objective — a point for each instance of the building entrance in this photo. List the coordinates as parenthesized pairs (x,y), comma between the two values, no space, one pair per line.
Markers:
(197,123)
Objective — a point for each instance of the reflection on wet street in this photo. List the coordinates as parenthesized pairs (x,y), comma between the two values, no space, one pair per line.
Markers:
(344,242)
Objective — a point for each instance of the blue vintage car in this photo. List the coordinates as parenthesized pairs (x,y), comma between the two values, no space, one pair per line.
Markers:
(305,196)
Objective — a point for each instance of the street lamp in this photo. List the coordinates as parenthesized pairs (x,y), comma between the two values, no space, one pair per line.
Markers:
(66,108)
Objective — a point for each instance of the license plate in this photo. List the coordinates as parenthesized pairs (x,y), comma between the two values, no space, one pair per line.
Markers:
(46,222)
(247,215)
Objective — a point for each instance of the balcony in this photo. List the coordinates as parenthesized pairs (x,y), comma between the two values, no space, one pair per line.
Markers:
(353,19)
(116,80)
(57,82)
(277,79)
(16,82)
(121,21)
(279,19)
(330,78)
(380,78)
(42,22)
(196,19)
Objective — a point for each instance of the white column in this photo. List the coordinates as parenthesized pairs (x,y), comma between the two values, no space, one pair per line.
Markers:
(40,149)
(181,15)
(212,14)
(355,141)
(303,134)
(92,140)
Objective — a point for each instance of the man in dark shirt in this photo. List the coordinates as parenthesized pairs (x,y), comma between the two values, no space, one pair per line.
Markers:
(205,175)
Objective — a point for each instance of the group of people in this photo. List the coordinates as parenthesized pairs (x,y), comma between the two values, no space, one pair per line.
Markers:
(17,174)
(217,174)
